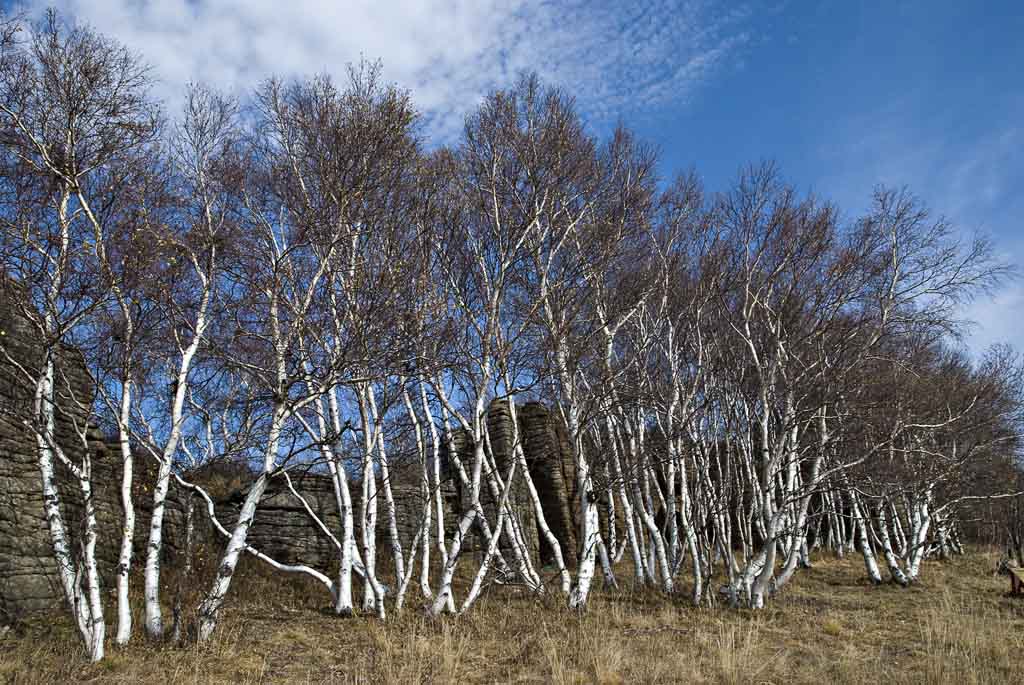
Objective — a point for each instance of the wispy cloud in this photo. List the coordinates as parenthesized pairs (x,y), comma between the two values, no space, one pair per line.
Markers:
(971,177)
(620,59)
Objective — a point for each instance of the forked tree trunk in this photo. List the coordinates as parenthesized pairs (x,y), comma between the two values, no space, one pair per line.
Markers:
(154,545)
(343,604)
(864,539)
(83,602)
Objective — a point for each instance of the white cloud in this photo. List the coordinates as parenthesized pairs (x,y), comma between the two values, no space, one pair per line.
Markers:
(618,58)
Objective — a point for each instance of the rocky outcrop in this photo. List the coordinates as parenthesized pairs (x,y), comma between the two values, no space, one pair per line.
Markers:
(28,577)
(500,436)
(28,574)
(550,461)
(282,528)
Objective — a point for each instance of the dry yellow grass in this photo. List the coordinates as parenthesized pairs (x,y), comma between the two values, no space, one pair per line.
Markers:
(829,626)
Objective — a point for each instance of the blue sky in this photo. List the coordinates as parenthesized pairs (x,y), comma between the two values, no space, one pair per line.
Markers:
(843,95)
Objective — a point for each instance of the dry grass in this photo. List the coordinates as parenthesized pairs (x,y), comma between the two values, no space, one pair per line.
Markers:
(829,626)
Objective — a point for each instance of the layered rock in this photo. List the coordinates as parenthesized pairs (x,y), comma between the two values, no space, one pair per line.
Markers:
(549,459)
(28,573)
(282,528)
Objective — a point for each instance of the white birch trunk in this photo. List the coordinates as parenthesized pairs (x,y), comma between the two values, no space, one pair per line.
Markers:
(627,506)
(385,477)
(870,562)
(919,535)
(154,545)
(474,590)
(589,529)
(98,627)
(124,609)
(151,589)
(444,599)
(343,604)
(209,608)
(68,569)
(510,524)
(426,523)
(373,592)
(891,560)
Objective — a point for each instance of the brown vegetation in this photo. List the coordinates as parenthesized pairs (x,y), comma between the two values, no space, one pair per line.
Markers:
(956,626)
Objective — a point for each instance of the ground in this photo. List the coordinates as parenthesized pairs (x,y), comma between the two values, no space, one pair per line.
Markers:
(829,626)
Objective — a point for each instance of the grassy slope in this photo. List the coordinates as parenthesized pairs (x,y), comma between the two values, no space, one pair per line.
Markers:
(829,626)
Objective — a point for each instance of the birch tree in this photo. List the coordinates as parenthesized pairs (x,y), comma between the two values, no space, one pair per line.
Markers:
(199,236)
(74,109)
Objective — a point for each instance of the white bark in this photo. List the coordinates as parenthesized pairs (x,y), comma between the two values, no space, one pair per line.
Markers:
(385,477)
(443,598)
(209,608)
(91,570)
(82,608)
(474,590)
(866,550)
(891,560)
(425,493)
(510,526)
(124,609)
(590,534)
(343,495)
(154,545)
(373,591)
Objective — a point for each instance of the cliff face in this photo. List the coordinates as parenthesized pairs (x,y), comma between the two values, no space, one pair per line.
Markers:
(549,459)
(28,574)
(28,578)
(283,530)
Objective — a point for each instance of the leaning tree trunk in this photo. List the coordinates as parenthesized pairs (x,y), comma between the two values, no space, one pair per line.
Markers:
(154,546)
(209,608)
